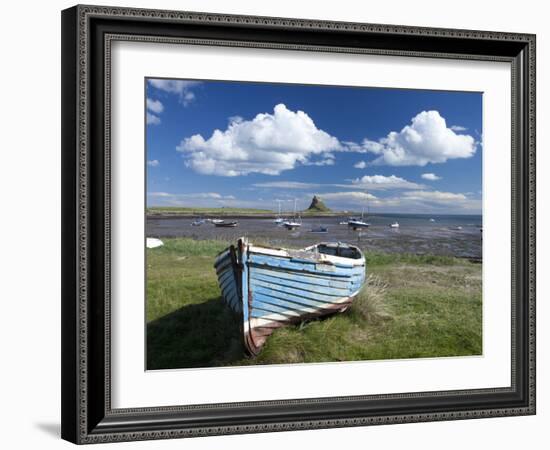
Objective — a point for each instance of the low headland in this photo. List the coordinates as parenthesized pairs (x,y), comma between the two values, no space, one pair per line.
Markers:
(316,209)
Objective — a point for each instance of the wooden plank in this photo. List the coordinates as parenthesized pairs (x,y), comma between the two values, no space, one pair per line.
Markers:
(301,277)
(323,294)
(302,266)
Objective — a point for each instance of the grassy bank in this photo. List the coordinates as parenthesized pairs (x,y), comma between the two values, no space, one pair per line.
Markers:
(183,211)
(232,212)
(414,306)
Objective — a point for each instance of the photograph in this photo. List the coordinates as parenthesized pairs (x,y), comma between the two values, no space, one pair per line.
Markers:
(298,223)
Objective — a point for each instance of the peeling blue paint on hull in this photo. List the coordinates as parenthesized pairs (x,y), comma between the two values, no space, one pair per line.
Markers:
(270,288)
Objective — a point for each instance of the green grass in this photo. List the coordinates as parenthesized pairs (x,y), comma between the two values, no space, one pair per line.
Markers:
(192,211)
(412,306)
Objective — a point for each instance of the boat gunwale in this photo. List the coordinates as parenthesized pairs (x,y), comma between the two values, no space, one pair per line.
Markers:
(318,258)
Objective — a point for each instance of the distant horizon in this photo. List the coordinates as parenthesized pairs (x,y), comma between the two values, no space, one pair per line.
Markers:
(275,212)
(248,145)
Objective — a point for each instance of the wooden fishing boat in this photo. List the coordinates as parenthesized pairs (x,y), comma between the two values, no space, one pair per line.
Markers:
(270,288)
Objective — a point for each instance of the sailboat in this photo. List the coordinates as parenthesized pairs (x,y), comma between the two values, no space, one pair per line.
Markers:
(356,223)
(293,223)
(279,220)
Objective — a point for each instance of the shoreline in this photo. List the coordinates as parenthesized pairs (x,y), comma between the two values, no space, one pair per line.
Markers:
(377,252)
(413,237)
(231,215)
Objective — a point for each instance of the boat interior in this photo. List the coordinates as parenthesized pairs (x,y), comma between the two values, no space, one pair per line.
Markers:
(338,249)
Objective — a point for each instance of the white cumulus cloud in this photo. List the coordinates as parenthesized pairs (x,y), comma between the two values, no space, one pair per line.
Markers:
(351,197)
(435,196)
(349,200)
(430,176)
(384,182)
(154,106)
(180,87)
(426,140)
(360,165)
(287,185)
(152,119)
(268,144)
(153,163)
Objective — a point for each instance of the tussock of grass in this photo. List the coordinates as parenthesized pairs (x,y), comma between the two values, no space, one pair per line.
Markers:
(371,303)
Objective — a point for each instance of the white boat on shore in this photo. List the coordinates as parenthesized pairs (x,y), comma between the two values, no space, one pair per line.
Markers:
(394,225)
(153,242)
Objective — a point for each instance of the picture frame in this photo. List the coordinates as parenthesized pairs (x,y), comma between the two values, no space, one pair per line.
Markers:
(87,413)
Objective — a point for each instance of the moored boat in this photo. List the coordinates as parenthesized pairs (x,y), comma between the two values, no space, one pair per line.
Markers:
(279,220)
(224,224)
(292,224)
(319,229)
(270,288)
(357,224)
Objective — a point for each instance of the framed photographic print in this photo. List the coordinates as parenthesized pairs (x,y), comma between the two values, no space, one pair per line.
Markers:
(278,224)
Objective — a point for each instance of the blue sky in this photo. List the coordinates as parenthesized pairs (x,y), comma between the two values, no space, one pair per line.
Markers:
(212,143)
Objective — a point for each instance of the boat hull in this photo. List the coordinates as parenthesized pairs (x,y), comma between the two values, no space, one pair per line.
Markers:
(271,288)
(358,225)
(226,224)
(291,226)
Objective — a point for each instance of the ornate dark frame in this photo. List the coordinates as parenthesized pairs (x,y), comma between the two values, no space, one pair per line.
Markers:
(87,32)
